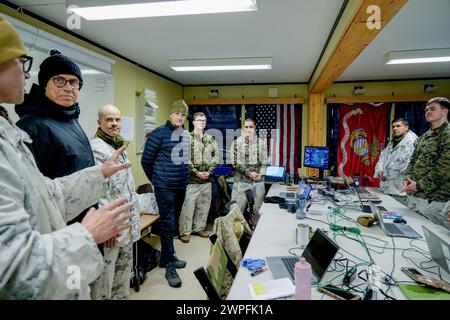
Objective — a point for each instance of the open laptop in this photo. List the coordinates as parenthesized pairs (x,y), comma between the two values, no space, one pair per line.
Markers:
(439,249)
(393,229)
(274,174)
(319,252)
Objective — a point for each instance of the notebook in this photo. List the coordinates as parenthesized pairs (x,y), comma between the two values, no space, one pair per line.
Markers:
(439,249)
(319,252)
(419,292)
(393,229)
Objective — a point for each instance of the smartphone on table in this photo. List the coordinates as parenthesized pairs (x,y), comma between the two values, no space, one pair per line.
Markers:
(412,273)
(338,293)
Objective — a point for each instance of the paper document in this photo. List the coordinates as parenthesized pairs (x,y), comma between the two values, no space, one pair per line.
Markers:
(272,289)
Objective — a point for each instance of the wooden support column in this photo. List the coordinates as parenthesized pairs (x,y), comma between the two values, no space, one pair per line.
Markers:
(316,125)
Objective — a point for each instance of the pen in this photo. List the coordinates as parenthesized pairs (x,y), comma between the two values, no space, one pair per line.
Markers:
(258,272)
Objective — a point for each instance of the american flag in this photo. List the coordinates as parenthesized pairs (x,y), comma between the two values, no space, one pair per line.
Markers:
(281,125)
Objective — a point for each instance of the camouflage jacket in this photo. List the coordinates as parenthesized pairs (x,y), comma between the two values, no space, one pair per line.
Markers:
(248,154)
(430,164)
(204,156)
(119,185)
(41,257)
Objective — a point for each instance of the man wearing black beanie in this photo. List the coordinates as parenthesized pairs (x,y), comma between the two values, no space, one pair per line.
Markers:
(50,114)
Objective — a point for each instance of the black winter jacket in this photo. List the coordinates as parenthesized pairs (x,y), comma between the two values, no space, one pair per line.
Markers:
(60,145)
(165,157)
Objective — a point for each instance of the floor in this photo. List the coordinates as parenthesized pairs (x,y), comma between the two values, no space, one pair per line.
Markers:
(155,287)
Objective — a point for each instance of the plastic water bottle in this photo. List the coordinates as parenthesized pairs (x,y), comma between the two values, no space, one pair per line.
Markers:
(300,213)
(303,276)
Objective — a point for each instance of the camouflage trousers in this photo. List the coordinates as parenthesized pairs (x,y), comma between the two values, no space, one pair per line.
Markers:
(238,194)
(435,211)
(114,281)
(195,208)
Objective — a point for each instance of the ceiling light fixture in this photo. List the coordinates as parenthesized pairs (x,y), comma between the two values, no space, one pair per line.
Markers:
(221,64)
(418,56)
(123,9)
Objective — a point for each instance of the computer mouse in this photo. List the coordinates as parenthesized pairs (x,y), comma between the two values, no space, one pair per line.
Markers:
(399,220)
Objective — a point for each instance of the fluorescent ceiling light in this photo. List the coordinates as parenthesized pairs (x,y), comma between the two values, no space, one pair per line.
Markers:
(221,64)
(108,9)
(418,56)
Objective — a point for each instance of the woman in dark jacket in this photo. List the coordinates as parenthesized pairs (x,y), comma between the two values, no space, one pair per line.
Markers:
(50,114)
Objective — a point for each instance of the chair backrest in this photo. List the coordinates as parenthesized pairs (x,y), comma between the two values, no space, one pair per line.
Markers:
(212,278)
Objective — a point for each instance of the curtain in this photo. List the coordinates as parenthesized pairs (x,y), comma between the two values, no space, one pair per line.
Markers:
(281,125)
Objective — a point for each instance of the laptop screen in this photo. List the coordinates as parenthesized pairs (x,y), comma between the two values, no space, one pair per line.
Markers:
(275,173)
(222,171)
(304,190)
(439,249)
(319,252)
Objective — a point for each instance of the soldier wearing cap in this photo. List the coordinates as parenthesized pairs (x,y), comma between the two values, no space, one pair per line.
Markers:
(427,177)
(41,257)
(165,162)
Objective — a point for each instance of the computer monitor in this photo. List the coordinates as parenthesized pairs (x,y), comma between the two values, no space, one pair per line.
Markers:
(317,157)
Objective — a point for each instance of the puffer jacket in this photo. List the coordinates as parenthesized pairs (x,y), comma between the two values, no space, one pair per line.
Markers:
(166,156)
(41,257)
(59,145)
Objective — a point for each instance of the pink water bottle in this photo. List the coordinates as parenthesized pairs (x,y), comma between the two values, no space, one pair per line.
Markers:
(303,276)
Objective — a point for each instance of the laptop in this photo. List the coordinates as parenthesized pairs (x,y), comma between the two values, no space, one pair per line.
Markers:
(439,249)
(319,252)
(274,174)
(393,229)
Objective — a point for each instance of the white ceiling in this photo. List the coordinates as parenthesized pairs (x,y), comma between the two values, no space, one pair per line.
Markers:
(419,25)
(292,32)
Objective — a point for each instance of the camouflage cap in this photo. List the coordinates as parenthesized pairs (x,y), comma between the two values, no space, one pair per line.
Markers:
(180,106)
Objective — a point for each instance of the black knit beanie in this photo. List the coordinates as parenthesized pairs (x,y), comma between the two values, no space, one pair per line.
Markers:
(56,64)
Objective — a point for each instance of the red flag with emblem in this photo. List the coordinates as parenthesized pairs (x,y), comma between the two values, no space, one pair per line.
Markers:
(362,136)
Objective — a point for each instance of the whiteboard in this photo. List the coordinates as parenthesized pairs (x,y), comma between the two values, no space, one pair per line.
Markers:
(97,90)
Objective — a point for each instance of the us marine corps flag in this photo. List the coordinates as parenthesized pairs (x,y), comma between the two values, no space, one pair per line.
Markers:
(362,136)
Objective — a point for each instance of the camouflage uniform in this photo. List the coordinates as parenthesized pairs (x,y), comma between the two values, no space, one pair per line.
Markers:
(430,168)
(204,158)
(114,281)
(40,255)
(249,154)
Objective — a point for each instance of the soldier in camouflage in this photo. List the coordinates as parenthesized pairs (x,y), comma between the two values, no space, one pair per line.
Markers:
(249,158)
(114,281)
(428,175)
(42,257)
(204,159)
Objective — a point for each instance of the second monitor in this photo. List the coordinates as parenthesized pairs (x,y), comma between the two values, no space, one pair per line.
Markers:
(318,158)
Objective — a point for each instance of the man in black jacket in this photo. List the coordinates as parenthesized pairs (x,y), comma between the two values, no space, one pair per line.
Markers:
(165,162)
(50,114)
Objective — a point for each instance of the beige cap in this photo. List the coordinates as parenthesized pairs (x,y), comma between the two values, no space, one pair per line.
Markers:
(11,45)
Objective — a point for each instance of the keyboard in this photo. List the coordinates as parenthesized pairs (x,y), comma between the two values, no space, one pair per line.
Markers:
(289,263)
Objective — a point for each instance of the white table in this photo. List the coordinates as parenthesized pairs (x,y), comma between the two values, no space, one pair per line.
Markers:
(275,234)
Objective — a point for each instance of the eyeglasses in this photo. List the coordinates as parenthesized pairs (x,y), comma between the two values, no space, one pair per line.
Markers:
(203,121)
(27,62)
(60,82)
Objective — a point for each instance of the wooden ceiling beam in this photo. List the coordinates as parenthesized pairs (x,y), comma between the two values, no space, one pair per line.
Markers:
(354,40)
(213,102)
